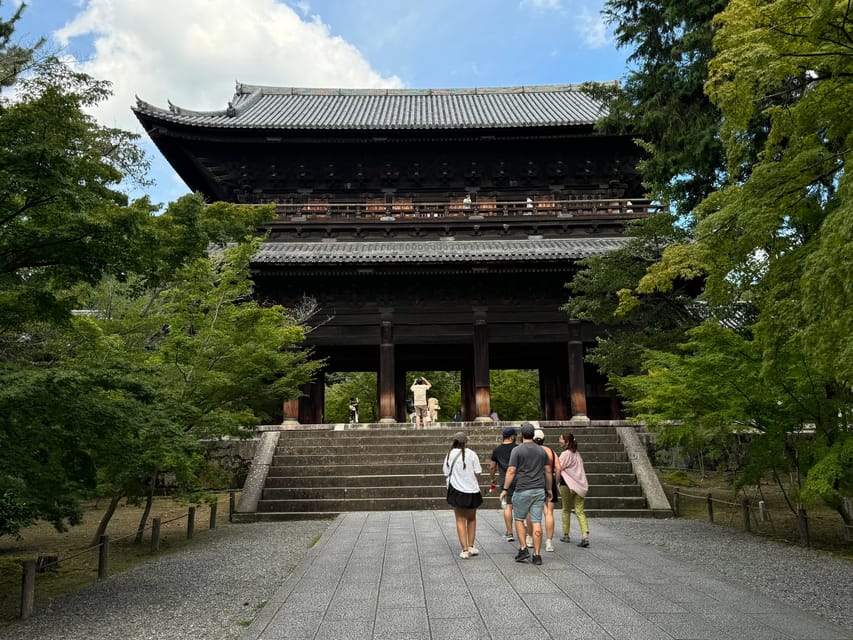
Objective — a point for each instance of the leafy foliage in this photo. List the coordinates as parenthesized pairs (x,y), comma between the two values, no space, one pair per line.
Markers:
(776,241)
(170,347)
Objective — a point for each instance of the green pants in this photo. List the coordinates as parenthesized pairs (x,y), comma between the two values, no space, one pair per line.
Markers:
(570,500)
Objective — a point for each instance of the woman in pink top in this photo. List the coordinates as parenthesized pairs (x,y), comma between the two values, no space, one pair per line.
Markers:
(573,487)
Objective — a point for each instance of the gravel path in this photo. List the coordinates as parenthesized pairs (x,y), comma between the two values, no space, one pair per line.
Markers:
(209,591)
(215,588)
(808,579)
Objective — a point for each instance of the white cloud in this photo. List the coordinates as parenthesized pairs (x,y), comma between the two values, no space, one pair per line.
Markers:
(192,51)
(542,4)
(593,30)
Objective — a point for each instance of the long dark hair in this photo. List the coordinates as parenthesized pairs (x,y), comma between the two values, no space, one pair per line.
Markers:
(571,443)
(457,444)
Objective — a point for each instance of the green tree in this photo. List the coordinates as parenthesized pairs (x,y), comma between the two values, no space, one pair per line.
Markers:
(661,100)
(778,241)
(515,394)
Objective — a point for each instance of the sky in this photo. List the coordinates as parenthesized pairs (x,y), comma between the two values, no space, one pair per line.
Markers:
(192,52)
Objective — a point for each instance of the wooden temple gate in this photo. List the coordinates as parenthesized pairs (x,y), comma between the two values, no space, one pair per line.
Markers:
(409,274)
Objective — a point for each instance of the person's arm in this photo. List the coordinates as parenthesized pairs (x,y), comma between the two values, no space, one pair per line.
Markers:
(510,476)
(548,479)
(493,467)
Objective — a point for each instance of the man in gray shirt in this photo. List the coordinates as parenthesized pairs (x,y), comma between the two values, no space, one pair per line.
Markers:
(528,466)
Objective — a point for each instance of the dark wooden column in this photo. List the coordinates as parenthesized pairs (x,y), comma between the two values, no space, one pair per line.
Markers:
(469,406)
(387,399)
(482,391)
(577,381)
(552,391)
(312,400)
(400,391)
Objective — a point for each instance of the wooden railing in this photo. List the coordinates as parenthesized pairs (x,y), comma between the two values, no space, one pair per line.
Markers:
(404,208)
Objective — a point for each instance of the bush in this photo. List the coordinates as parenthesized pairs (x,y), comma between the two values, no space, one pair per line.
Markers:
(678,478)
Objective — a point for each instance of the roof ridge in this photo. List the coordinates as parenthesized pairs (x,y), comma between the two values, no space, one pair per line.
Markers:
(245,88)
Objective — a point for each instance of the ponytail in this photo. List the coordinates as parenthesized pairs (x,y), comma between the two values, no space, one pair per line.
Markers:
(571,443)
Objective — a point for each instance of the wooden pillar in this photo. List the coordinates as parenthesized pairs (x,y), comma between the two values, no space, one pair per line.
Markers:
(291,411)
(469,407)
(318,398)
(577,381)
(482,391)
(400,391)
(387,399)
(545,412)
(559,400)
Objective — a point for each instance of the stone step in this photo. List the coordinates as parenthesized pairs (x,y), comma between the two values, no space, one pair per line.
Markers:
(417,503)
(410,467)
(415,440)
(444,429)
(276,516)
(382,458)
(379,480)
(405,448)
(415,491)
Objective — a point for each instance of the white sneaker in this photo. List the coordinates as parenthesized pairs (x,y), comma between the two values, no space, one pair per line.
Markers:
(530,541)
(464,554)
(473,551)
(549,546)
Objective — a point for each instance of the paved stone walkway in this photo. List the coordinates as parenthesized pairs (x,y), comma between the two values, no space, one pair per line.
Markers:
(397,575)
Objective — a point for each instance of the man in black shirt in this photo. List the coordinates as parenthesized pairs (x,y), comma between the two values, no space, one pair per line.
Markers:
(499,464)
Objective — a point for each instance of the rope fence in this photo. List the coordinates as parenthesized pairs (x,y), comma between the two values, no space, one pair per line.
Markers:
(43,564)
(750,514)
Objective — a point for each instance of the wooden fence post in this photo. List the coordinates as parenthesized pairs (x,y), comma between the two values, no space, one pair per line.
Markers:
(213,507)
(710,508)
(746,519)
(190,522)
(103,557)
(230,506)
(676,495)
(762,511)
(28,588)
(804,527)
(155,534)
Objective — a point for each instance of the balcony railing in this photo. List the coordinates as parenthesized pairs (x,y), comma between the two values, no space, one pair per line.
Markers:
(405,209)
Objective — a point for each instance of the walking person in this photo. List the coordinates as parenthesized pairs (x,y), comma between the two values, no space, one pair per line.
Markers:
(528,467)
(461,468)
(554,471)
(497,473)
(419,390)
(573,487)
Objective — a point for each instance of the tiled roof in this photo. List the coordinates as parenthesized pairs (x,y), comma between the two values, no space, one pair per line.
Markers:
(344,109)
(434,251)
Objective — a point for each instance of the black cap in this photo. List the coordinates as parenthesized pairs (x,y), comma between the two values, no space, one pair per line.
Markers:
(509,432)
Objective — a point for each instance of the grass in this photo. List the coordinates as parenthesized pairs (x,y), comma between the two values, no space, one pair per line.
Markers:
(826,531)
(75,573)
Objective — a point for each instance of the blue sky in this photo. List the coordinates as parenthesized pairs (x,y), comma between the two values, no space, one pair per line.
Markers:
(191,52)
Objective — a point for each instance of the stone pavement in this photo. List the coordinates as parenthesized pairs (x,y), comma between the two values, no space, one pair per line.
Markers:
(397,574)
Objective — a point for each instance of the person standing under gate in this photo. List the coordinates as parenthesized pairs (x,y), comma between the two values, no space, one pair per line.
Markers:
(419,391)
(573,487)
(461,468)
(497,474)
(528,466)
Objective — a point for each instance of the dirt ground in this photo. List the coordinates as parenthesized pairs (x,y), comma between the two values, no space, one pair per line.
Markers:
(776,521)
(78,562)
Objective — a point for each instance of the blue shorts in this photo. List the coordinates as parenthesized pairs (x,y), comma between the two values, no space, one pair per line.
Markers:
(529,501)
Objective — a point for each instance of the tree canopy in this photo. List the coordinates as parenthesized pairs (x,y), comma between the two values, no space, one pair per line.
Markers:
(123,340)
(774,244)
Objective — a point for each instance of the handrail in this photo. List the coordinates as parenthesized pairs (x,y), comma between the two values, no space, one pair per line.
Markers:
(405,209)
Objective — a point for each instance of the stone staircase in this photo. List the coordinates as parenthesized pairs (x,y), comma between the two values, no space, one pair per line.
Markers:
(322,471)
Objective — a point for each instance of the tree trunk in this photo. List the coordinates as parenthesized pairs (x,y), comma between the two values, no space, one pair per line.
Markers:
(143,521)
(105,520)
